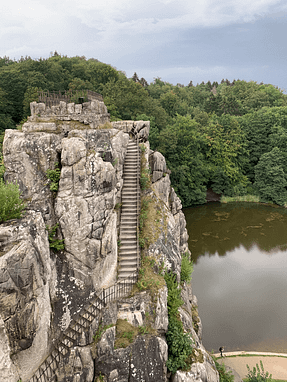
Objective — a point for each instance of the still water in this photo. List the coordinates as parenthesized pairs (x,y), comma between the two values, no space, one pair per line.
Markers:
(240,274)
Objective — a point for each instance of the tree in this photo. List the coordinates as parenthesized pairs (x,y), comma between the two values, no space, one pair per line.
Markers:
(135,77)
(183,145)
(30,95)
(270,178)
(143,82)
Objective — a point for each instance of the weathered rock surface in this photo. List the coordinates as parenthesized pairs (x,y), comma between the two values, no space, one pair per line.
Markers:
(200,372)
(27,157)
(137,310)
(26,272)
(157,165)
(144,360)
(77,367)
(8,371)
(139,129)
(93,113)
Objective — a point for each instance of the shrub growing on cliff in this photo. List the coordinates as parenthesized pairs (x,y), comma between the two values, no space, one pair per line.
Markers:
(54,243)
(224,376)
(180,349)
(54,176)
(11,205)
(186,268)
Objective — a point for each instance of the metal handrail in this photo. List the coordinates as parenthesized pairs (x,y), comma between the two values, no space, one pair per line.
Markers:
(53,98)
(102,299)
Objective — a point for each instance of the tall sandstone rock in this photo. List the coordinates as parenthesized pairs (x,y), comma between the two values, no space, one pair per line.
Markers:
(42,290)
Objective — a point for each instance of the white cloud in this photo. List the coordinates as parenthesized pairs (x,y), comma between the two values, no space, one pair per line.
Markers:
(140,16)
(118,31)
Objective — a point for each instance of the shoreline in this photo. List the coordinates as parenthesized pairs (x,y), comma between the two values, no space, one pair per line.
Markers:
(243,353)
(273,363)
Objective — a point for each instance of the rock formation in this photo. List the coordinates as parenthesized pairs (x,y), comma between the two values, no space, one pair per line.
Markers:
(42,291)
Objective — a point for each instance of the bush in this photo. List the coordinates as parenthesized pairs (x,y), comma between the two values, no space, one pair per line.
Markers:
(186,268)
(11,205)
(174,300)
(224,376)
(54,176)
(179,343)
(179,346)
(55,244)
(257,375)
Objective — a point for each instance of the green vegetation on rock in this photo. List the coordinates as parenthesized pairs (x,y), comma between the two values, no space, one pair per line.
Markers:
(11,204)
(186,268)
(55,244)
(54,177)
(148,278)
(224,376)
(125,334)
(180,351)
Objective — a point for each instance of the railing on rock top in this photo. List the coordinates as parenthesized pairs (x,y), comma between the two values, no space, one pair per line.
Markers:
(53,98)
(80,324)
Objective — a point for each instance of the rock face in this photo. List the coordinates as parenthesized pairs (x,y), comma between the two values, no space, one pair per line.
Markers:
(26,273)
(144,360)
(42,291)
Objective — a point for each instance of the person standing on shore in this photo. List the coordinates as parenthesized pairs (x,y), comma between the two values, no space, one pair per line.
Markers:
(221,349)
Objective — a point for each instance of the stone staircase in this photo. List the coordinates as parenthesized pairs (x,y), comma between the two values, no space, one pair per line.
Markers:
(129,248)
(127,276)
(71,337)
(79,328)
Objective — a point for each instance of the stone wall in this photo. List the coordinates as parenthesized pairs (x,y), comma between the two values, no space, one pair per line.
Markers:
(92,113)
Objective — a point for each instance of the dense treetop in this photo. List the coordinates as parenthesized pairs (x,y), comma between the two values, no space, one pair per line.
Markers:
(231,137)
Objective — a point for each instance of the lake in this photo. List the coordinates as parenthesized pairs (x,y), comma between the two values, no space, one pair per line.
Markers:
(240,274)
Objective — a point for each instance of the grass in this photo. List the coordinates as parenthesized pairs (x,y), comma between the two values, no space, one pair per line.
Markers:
(126,333)
(244,198)
(151,221)
(106,125)
(100,332)
(148,279)
(145,180)
(253,355)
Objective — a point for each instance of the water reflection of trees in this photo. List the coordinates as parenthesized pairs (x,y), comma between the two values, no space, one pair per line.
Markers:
(220,228)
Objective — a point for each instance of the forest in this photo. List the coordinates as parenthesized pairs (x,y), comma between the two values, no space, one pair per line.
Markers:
(228,136)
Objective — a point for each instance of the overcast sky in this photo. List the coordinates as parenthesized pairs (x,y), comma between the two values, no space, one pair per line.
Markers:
(177,40)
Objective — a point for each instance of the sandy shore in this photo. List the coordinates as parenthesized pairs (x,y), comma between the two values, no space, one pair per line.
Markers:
(274,363)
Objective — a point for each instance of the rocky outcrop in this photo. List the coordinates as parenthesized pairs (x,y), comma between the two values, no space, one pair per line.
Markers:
(93,113)
(144,360)
(26,274)
(139,129)
(43,291)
